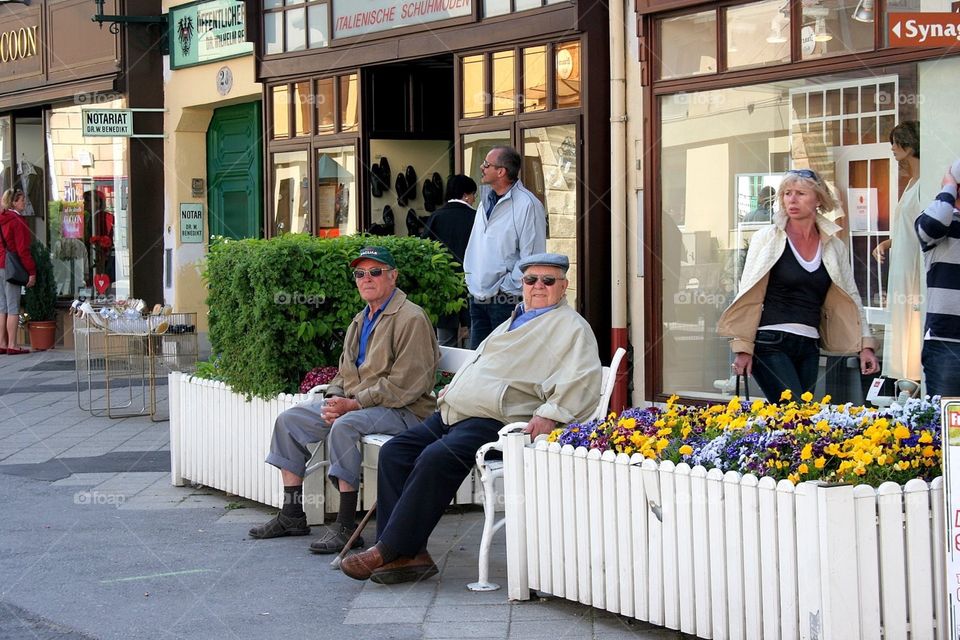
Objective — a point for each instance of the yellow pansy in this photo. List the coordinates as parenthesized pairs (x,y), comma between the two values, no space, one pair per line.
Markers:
(807,452)
(901,432)
(820,462)
(925,438)
(686,450)
(806,396)
(786,395)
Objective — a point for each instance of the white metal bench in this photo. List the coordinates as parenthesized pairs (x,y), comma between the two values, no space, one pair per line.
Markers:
(492,470)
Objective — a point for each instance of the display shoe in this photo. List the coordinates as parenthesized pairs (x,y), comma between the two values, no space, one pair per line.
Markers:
(405,569)
(334,540)
(281,526)
(389,221)
(385,173)
(438,187)
(428,198)
(414,224)
(411,176)
(401,188)
(376,188)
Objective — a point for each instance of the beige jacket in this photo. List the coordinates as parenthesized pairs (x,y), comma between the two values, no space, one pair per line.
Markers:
(548,367)
(400,366)
(843,323)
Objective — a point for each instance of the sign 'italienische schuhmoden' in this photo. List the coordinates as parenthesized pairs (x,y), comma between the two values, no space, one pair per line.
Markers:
(17,44)
(206,31)
(352,18)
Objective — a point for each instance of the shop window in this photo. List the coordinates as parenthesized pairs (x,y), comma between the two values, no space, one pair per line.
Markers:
(688,45)
(349,103)
(504,83)
(828,28)
(291,192)
(472,89)
(567,68)
(336,193)
(550,172)
(496,7)
(280,106)
(302,99)
(535,78)
(501,7)
(722,153)
(295,26)
(758,34)
(325,106)
(476,146)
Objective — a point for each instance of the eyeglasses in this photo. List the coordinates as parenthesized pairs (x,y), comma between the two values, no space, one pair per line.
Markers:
(376,272)
(487,165)
(809,174)
(548,281)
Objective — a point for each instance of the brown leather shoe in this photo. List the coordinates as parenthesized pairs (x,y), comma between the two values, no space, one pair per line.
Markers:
(405,569)
(359,566)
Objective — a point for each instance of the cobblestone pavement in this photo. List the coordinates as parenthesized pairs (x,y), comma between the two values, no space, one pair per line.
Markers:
(96,543)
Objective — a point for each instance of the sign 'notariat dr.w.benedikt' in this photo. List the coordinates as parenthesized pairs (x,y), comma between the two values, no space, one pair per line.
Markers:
(107,122)
(352,18)
(17,44)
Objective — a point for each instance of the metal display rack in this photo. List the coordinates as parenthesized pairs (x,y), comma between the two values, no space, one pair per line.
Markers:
(120,360)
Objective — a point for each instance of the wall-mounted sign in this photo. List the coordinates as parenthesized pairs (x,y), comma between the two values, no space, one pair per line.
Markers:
(950,439)
(191,222)
(18,44)
(107,123)
(380,15)
(205,31)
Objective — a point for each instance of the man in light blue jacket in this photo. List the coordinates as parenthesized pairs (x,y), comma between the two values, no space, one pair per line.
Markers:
(510,225)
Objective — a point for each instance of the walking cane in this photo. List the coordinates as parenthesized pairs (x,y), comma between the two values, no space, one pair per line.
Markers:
(335,564)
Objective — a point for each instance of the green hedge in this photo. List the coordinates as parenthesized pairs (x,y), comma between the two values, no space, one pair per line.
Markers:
(280,307)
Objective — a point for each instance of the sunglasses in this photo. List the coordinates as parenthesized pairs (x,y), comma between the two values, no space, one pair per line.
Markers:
(487,165)
(548,281)
(376,272)
(809,174)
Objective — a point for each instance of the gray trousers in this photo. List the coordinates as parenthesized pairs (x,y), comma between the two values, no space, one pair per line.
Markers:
(303,424)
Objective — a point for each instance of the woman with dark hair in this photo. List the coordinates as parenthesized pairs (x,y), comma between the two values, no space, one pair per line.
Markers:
(16,239)
(797,295)
(906,289)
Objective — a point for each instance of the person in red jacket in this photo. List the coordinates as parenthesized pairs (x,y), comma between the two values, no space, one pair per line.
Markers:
(16,238)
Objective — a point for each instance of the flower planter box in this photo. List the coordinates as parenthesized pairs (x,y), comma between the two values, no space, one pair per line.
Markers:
(220,440)
(724,555)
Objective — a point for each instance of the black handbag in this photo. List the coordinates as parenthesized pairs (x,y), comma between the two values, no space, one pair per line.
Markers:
(19,275)
(746,387)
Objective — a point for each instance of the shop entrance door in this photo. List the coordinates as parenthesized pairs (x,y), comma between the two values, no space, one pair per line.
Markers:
(234,171)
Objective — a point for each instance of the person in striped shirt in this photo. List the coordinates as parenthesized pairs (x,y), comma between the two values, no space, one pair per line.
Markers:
(938,229)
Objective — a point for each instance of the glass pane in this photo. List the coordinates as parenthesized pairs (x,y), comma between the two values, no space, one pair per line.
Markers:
(495,7)
(6,152)
(535,78)
(325,106)
(272,4)
(758,34)
(317,19)
(867,12)
(568,75)
(550,172)
(281,112)
(336,192)
(504,83)
(523,5)
(737,154)
(474,97)
(829,29)
(293,2)
(349,102)
(302,99)
(83,219)
(688,45)
(273,33)
(476,146)
(291,192)
(296,30)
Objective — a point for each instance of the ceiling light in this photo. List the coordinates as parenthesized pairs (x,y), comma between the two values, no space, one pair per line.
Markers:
(820,33)
(777,26)
(864,12)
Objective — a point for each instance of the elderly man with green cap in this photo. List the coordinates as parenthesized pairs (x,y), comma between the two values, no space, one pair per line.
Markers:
(385,385)
(541,365)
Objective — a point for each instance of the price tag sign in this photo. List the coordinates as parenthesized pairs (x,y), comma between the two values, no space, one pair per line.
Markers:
(950,439)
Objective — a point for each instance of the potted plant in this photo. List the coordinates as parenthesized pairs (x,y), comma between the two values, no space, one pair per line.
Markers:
(39,303)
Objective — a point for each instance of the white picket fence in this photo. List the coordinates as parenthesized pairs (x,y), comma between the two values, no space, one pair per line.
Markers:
(724,555)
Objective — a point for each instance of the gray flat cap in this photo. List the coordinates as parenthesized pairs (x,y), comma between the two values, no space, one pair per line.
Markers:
(545,259)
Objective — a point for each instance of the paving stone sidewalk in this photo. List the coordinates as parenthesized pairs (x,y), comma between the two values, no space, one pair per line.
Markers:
(96,543)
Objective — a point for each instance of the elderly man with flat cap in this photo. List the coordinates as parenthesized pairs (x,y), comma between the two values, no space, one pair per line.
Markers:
(541,365)
(385,384)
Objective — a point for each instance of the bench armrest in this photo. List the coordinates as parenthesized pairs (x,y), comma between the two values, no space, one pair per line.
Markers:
(320,388)
(497,445)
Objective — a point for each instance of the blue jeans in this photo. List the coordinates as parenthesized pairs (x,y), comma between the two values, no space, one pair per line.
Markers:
(783,361)
(487,315)
(941,367)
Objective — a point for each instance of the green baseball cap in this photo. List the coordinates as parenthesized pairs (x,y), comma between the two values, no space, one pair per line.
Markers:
(380,254)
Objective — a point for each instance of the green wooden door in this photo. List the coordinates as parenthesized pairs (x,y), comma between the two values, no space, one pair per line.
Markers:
(235,171)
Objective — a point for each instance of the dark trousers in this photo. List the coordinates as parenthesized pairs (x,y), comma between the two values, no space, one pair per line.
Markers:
(487,315)
(941,367)
(418,474)
(783,361)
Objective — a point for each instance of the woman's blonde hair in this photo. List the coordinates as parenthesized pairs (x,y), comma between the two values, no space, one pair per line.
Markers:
(9,197)
(811,179)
